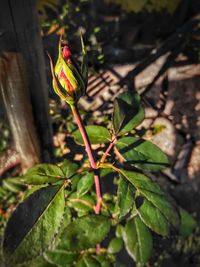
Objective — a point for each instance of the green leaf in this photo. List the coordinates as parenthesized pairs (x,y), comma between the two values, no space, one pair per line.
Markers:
(154,218)
(38,262)
(188,223)
(105,259)
(96,134)
(153,208)
(142,182)
(85,184)
(67,218)
(161,206)
(61,257)
(33,225)
(115,245)
(32,189)
(142,154)
(68,168)
(42,174)
(74,182)
(119,230)
(128,112)
(12,184)
(125,197)
(81,207)
(88,261)
(49,173)
(138,240)
(84,232)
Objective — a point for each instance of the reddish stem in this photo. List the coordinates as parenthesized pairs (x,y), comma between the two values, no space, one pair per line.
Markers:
(108,150)
(90,155)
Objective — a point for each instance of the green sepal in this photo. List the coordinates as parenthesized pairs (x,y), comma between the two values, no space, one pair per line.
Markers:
(57,86)
(84,65)
(71,73)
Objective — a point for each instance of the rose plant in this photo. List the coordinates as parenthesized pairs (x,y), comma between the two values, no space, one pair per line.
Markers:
(65,219)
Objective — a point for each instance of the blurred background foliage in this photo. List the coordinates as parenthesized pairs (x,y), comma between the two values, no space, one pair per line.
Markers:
(148,5)
(114,31)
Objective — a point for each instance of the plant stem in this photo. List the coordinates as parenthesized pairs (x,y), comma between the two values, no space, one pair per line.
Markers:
(90,156)
(81,201)
(108,150)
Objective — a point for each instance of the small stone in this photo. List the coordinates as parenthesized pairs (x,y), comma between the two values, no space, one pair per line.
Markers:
(194,163)
(167,139)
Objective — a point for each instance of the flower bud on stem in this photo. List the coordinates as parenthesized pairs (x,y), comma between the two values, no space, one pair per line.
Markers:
(90,156)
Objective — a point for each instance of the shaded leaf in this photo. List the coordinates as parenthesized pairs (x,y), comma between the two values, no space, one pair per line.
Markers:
(85,184)
(73,183)
(188,223)
(97,135)
(84,232)
(32,226)
(128,112)
(32,189)
(142,154)
(138,240)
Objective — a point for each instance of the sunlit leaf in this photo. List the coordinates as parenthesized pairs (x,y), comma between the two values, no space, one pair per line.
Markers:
(155,210)
(12,184)
(84,232)
(82,204)
(88,261)
(85,184)
(42,174)
(61,257)
(138,240)
(115,245)
(125,197)
(142,182)
(142,153)
(97,135)
(68,168)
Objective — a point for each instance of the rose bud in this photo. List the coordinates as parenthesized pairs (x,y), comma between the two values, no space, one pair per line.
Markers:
(69,82)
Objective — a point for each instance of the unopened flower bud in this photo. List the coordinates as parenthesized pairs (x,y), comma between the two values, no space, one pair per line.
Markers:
(68,81)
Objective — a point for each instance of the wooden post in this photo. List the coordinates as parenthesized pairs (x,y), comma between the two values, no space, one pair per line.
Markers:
(13,90)
(19,32)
